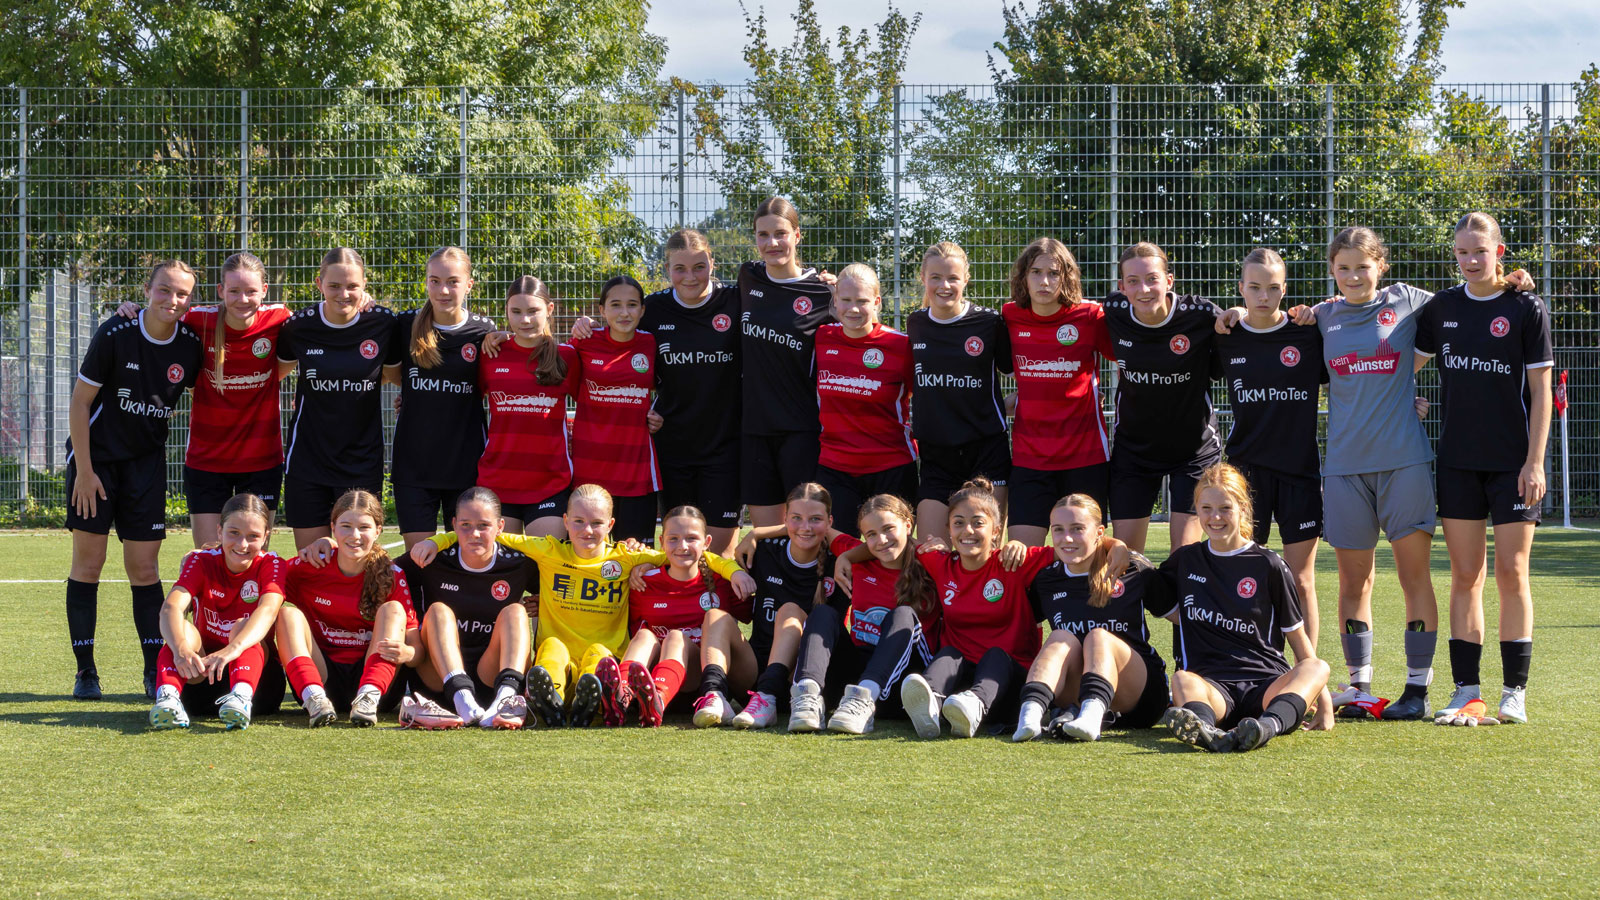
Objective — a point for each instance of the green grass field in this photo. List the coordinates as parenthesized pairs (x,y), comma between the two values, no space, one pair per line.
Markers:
(92,805)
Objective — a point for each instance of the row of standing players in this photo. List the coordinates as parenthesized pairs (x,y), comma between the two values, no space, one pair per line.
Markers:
(790,357)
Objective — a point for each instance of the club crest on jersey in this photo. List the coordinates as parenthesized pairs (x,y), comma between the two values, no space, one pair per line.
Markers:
(261,348)
(872,358)
(500,590)
(174,373)
(993,590)
(250,592)
(1247,588)
(1387,317)
(1289,356)
(709,600)
(1500,327)
(721,322)
(1067,335)
(611,570)
(1117,589)
(802,305)
(641,363)
(369,349)
(469,352)
(974,346)
(1179,344)
(827,587)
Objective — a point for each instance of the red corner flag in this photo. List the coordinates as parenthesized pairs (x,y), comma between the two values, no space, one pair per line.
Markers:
(1561,394)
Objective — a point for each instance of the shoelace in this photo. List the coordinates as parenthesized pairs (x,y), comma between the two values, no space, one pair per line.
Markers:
(757,702)
(703,701)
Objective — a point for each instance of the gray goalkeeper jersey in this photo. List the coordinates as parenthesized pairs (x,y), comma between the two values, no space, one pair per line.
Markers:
(1369,351)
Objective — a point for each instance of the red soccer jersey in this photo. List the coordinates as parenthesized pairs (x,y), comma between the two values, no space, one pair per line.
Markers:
(331,602)
(989,607)
(611,443)
(234,426)
(864,399)
(527,458)
(222,598)
(872,598)
(668,604)
(1058,424)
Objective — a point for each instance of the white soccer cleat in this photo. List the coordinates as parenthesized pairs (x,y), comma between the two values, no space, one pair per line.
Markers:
(319,709)
(234,711)
(760,712)
(856,713)
(964,712)
(168,711)
(805,706)
(507,715)
(1464,694)
(417,711)
(1514,706)
(921,704)
(712,710)
(364,708)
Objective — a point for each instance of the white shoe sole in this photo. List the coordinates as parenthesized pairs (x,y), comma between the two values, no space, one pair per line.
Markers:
(841,726)
(166,720)
(234,719)
(798,725)
(960,725)
(921,707)
(705,718)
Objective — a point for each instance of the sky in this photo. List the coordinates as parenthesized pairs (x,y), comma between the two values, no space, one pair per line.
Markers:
(1548,40)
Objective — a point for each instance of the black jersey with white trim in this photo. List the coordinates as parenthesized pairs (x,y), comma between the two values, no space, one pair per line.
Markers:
(697,360)
(336,434)
(1274,377)
(1485,347)
(1164,372)
(956,399)
(141,380)
(778,322)
(1233,610)
(442,429)
(780,579)
(1061,600)
(475,596)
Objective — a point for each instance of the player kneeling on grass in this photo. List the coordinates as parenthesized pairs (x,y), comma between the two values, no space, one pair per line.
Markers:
(583,607)
(345,628)
(236,590)
(1098,658)
(1235,605)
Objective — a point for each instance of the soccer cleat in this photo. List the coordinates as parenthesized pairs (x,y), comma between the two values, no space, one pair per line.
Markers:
(805,706)
(1412,705)
(856,712)
(86,685)
(760,712)
(613,707)
(1191,729)
(364,709)
(1356,703)
(319,709)
(234,710)
(1059,720)
(1030,722)
(1248,735)
(921,704)
(1464,694)
(543,697)
(507,715)
(168,712)
(712,710)
(1082,728)
(150,685)
(1514,706)
(417,711)
(964,712)
(586,700)
(646,695)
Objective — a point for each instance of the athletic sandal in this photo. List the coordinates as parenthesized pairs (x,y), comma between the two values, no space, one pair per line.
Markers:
(319,709)
(234,711)
(1191,729)
(921,705)
(1514,706)
(645,695)
(586,699)
(964,712)
(507,715)
(364,709)
(543,697)
(86,685)
(760,712)
(613,707)
(856,713)
(417,711)
(805,706)
(712,710)
(168,712)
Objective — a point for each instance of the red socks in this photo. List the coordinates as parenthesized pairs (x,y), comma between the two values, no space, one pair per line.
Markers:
(167,670)
(302,673)
(247,668)
(378,672)
(668,676)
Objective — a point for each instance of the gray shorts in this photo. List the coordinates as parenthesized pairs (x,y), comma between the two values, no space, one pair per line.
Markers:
(1399,501)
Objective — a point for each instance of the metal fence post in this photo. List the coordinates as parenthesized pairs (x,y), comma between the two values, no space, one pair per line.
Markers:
(1546,283)
(50,288)
(683,210)
(898,322)
(244,169)
(1115,232)
(461,200)
(25,454)
(1327,166)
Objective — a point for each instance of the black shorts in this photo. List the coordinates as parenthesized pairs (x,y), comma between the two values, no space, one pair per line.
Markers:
(849,491)
(201,698)
(553,505)
(423,508)
(1296,502)
(770,465)
(311,505)
(344,679)
(135,500)
(1136,483)
(1473,495)
(708,482)
(636,518)
(1035,491)
(206,492)
(1154,701)
(470,657)
(1245,699)
(946,467)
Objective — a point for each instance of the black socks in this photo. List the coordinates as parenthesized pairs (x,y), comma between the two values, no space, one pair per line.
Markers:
(82,604)
(1094,686)
(1465,657)
(1283,714)
(147,621)
(1516,657)
(774,680)
(713,679)
(1203,710)
(460,681)
(510,678)
(1038,692)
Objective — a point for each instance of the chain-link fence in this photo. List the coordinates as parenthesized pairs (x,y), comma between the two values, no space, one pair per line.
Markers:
(575,187)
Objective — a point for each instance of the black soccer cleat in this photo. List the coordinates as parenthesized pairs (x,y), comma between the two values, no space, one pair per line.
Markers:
(1191,729)
(1248,735)
(1412,705)
(543,697)
(586,700)
(86,686)
(150,685)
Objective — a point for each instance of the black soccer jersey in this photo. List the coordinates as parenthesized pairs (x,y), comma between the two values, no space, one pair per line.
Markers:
(1164,412)
(1233,611)
(1061,599)
(697,361)
(336,435)
(475,596)
(1273,380)
(442,429)
(778,328)
(957,399)
(1484,349)
(140,381)
(779,580)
